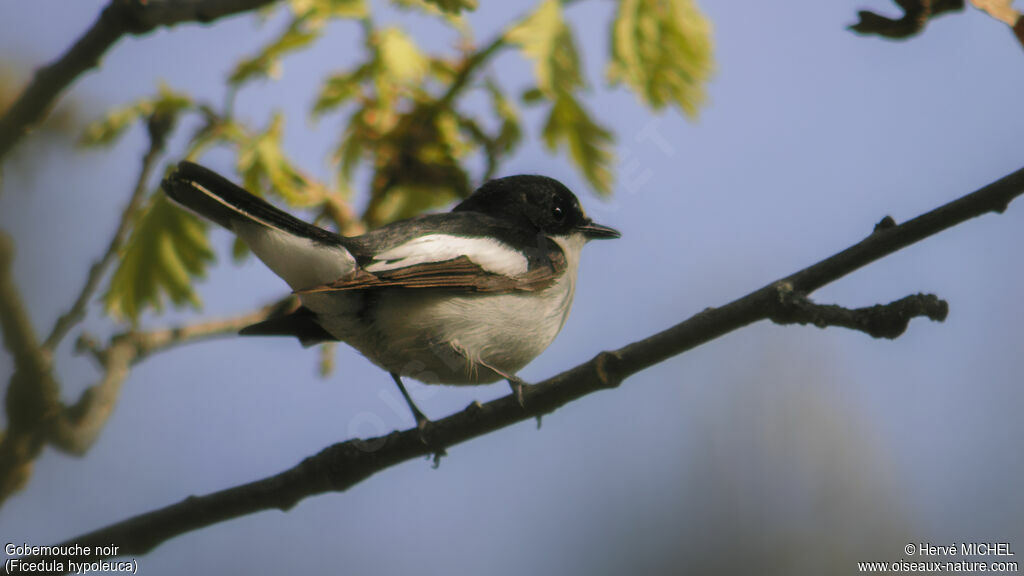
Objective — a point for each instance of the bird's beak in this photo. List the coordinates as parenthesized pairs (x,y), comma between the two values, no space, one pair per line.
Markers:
(594,231)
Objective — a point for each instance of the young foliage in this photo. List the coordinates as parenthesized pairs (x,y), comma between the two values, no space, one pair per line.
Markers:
(412,144)
(405,124)
(300,33)
(662,50)
(322,9)
(340,88)
(510,134)
(589,143)
(453,6)
(265,169)
(166,250)
(399,59)
(108,129)
(451,9)
(547,39)
(417,166)
(309,18)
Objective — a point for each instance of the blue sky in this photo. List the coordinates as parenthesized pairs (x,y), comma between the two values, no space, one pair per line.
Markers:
(781,449)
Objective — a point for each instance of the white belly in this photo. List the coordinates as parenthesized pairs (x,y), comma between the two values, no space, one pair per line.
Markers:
(452,339)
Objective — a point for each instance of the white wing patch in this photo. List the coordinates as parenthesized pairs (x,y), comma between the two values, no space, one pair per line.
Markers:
(491,255)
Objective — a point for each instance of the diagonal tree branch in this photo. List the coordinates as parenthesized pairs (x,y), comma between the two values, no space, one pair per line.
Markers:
(878,321)
(118,19)
(33,404)
(36,414)
(32,395)
(341,466)
(916,14)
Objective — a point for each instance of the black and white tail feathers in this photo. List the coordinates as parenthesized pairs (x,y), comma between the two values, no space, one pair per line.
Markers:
(216,198)
(304,255)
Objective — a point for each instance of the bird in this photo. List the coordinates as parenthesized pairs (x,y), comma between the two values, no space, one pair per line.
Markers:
(468,296)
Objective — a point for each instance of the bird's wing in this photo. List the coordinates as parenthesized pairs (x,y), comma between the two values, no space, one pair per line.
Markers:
(456,263)
(302,254)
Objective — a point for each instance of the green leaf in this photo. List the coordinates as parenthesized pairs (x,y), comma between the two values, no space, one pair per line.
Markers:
(545,38)
(510,133)
(166,250)
(321,9)
(352,147)
(531,95)
(662,50)
(417,166)
(265,168)
(339,88)
(400,60)
(454,6)
(450,9)
(108,129)
(589,143)
(299,34)
(407,200)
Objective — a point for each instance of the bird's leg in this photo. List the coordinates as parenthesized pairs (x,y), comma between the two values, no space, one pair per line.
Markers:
(421,419)
(514,381)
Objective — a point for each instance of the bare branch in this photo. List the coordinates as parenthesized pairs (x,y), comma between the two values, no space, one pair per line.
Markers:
(916,14)
(119,18)
(149,343)
(76,427)
(469,67)
(338,467)
(34,409)
(879,321)
(159,127)
(32,395)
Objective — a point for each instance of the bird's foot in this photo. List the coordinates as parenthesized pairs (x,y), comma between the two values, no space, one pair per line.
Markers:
(517,384)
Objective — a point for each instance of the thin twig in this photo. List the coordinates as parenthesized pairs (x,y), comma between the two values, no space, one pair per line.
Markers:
(916,14)
(879,321)
(469,67)
(159,128)
(148,343)
(119,18)
(341,466)
(76,428)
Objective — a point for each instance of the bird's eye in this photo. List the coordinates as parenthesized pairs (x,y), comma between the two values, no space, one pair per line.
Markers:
(558,213)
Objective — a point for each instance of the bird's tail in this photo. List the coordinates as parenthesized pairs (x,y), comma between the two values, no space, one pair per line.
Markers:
(304,255)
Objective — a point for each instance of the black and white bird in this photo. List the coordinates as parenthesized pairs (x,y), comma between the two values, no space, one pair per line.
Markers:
(469,296)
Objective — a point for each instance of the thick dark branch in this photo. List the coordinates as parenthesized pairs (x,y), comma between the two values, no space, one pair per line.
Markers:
(916,14)
(879,321)
(119,18)
(32,394)
(343,465)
